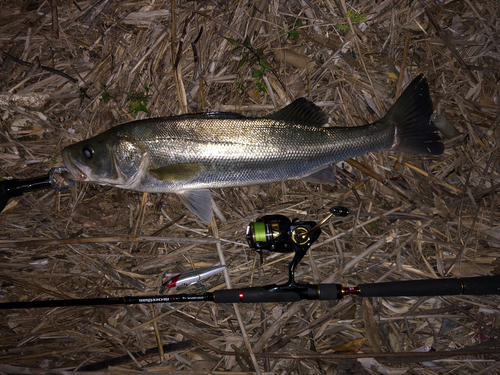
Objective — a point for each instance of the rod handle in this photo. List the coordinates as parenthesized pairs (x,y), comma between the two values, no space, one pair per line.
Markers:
(276,294)
(16,187)
(330,292)
(433,287)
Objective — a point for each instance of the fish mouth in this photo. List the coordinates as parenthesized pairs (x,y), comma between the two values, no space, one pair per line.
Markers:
(72,167)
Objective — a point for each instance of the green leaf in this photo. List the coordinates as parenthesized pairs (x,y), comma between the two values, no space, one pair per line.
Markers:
(261,87)
(247,42)
(105,97)
(237,50)
(298,23)
(241,86)
(233,42)
(253,60)
(356,17)
(263,63)
(132,107)
(281,29)
(242,62)
(256,74)
(342,26)
(137,107)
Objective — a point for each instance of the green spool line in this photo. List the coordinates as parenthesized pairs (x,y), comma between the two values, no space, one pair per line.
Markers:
(260,231)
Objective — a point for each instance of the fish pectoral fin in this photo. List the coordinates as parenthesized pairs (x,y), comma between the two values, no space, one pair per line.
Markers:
(301,111)
(199,202)
(323,176)
(177,172)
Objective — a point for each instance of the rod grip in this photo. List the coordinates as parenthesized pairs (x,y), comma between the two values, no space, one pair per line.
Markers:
(273,294)
(254,295)
(16,187)
(330,292)
(481,285)
(433,287)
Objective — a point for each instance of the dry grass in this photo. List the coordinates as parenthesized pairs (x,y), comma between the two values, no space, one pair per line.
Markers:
(447,224)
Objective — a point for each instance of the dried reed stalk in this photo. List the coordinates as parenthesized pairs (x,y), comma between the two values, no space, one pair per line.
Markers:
(68,72)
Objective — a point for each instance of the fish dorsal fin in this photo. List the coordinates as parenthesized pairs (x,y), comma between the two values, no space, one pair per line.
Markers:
(210,115)
(301,111)
(199,202)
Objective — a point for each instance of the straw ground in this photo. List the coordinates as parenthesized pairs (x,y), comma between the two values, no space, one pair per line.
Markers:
(71,69)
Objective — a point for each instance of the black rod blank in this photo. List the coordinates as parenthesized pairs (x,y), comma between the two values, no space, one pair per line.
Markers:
(108,301)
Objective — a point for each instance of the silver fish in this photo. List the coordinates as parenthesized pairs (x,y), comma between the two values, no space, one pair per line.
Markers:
(189,154)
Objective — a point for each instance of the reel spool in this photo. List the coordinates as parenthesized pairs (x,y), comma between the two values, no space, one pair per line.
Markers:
(272,233)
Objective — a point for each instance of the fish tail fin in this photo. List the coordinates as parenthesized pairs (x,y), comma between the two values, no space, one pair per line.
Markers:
(411,114)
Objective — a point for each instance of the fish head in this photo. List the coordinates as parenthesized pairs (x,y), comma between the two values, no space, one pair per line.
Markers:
(110,158)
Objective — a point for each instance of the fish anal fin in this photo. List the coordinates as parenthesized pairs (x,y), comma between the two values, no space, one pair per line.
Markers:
(177,172)
(323,176)
(199,202)
(301,111)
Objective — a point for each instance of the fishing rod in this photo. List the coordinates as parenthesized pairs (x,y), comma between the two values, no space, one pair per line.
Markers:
(17,187)
(275,293)
(280,234)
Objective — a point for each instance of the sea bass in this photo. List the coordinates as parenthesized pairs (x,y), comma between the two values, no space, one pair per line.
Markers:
(189,154)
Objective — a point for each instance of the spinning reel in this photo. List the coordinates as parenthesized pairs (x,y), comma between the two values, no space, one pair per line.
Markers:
(280,234)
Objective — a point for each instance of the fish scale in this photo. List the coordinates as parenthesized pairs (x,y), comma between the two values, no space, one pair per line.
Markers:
(251,156)
(189,154)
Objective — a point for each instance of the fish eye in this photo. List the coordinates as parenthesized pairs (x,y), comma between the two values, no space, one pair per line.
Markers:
(87,152)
